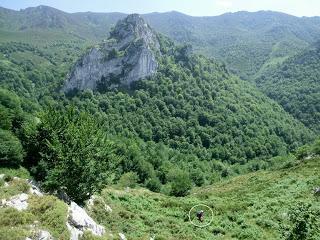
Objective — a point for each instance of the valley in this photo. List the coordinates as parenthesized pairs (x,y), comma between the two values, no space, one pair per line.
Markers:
(155,113)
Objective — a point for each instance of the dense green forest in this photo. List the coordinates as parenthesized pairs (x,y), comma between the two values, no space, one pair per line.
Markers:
(295,85)
(237,132)
(245,41)
(192,117)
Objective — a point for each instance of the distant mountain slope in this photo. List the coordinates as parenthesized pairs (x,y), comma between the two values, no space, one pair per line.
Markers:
(295,84)
(245,41)
(191,103)
(206,121)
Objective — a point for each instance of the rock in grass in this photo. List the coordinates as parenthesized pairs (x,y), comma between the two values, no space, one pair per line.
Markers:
(122,236)
(18,202)
(79,221)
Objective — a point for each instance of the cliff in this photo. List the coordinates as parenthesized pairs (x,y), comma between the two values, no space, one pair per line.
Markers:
(129,54)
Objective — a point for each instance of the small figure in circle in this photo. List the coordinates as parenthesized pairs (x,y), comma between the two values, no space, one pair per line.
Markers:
(200,215)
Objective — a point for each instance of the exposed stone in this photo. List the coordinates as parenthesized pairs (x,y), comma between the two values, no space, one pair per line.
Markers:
(43,235)
(316,191)
(18,202)
(122,236)
(127,56)
(79,221)
(94,198)
(74,232)
(34,189)
(1,176)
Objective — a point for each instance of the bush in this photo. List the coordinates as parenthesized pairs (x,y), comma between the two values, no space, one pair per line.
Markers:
(303,152)
(180,182)
(52,213)
(12,217)
(11,151)
(129,179)
(305,223)
(154,184)
(316,147)
(70,149)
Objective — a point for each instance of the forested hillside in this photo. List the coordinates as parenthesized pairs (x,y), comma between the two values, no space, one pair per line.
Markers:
(204,119)
(295,84)
(140,123)
(245,41)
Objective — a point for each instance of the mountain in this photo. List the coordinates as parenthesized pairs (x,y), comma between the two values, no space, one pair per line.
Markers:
(295,85)
(189,120)
(245,41)
(128,55)
(139,129)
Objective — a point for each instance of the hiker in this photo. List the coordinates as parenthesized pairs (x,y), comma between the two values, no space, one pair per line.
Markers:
(200,215)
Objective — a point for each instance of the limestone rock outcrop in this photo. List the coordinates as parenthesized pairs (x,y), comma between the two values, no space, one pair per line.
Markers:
(128,55)
(18,202)
(79,221)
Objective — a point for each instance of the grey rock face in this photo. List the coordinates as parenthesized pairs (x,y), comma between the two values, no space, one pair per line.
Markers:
(18,202)
(127,56)
(79,221)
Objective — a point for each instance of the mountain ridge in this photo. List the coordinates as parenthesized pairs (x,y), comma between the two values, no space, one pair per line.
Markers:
(245,41)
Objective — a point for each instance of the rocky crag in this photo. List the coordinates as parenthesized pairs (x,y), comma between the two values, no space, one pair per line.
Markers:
(129,54)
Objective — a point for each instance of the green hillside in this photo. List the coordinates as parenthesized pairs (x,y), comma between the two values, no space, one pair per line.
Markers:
(260,205)
(277,204)
(295,85)
(244,41)
(234,132)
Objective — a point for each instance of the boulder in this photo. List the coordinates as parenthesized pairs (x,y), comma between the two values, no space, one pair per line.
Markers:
(34,189)
(18,202)
(44,235)
(94,198)
(122,236)
(79,221)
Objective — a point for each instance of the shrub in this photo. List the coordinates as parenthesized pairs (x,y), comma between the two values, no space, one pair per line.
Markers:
(154,184)
(12,217)
(129,179)
(304,221)
(180,183)
(302,152)
(316,147)
(11,151)
(52,213)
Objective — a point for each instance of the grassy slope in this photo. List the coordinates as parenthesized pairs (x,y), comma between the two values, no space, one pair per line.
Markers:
(252,206)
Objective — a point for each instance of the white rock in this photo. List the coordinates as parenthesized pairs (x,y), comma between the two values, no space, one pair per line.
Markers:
(18,202)
(122,236)
(107,208)
(1,176)
(81,221)
(74,232)
(44,235)
(34,189)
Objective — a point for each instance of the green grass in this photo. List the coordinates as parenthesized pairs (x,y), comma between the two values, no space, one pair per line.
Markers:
(252,206)
(20,172)
(44,213)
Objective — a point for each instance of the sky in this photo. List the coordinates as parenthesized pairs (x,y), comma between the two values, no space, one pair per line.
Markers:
(190,7)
